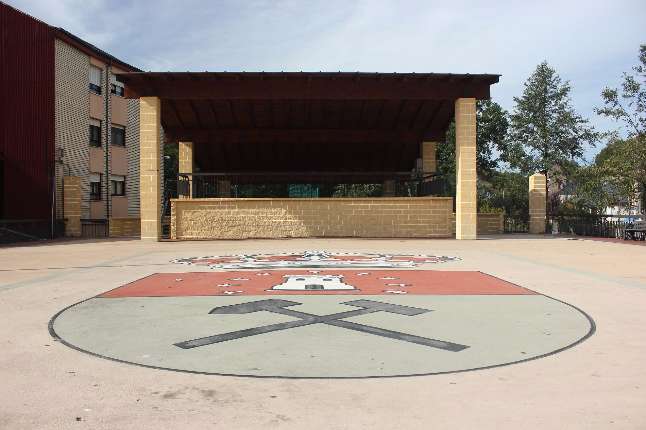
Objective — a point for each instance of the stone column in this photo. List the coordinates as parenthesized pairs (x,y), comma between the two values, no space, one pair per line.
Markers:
(466,205)
(537,209)
(388,188)
(72,205)
(186,165)
(429,161)
(149,167)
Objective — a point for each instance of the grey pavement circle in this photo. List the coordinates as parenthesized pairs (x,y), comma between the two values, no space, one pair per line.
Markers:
(323,336)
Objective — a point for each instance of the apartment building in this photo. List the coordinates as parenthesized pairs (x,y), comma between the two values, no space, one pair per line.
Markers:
(63,114)
(97,129)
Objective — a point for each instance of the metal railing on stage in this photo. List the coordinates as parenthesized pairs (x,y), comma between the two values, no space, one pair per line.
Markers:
(303,184)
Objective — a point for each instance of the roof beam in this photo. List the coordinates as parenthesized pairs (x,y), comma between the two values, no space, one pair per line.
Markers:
(226,87)
(306,135)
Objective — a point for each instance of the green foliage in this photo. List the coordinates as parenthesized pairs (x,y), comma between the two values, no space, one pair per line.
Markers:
(593,191)
(506,191)
(492,123)
(307,190)
(545,131)
(629,106)
(616,178)
(171,161)
(261,190)
(622,163)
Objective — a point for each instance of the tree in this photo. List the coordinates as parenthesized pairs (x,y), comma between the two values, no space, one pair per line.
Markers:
(546,133)
(506,191)
(624,161)
(617,177)
(491,135)
(594,190)
(491,125)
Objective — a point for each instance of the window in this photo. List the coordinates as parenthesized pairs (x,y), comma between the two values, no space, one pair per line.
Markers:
(116,87)
(95,80)
(95,133)
(118,185)
(95,186)
(118,135)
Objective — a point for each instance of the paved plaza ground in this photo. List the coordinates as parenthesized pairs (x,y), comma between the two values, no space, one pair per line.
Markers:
(524,332)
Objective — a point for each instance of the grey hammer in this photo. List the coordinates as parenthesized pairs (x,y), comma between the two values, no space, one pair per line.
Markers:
(279,306)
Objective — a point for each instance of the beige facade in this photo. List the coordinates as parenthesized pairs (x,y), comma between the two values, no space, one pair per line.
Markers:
(71,107)
(97,107)
(150,174)
(72,206)
(125,227)
(423,217)
(76,108)
(119,207)
(537,203)
(96,162)
(185,161)
(429,158)
(466,206)
(97,209)
(119,107)
(119,160)
(185,155)
(488,223)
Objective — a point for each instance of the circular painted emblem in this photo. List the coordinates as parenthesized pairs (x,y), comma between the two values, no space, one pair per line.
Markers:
(332,322)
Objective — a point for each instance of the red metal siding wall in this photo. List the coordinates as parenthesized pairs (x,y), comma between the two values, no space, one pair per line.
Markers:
(26,115)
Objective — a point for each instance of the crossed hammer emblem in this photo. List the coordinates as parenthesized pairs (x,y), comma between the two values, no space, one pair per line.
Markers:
(278,306)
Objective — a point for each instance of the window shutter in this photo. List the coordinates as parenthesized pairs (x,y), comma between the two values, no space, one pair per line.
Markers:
(95,75)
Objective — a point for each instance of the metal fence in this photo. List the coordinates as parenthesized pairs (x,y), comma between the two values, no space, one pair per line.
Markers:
(94,228)
(516,225)
(613,226)
(206,185)
(12,231)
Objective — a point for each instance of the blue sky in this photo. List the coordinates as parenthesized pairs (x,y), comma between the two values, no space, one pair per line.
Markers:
(590,43)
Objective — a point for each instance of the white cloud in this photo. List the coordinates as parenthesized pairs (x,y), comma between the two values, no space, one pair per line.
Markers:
(589,43)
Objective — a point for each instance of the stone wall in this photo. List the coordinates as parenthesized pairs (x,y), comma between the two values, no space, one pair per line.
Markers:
(488,223)
(421,217)
(71,119)
(125,227)
(72,205)
(537,203)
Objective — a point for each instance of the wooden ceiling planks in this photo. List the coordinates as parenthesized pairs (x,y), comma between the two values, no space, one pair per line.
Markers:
(301,121)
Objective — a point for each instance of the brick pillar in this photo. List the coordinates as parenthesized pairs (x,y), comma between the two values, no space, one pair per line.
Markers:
(72,205)
(466,205)
(149,167)
(186,164)
(224,188)
(537,209)
(429,161)
(388,188)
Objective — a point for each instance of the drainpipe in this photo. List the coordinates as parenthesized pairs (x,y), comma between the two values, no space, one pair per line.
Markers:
(107,148)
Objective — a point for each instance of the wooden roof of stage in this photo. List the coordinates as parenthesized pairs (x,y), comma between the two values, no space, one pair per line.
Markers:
(302,121)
